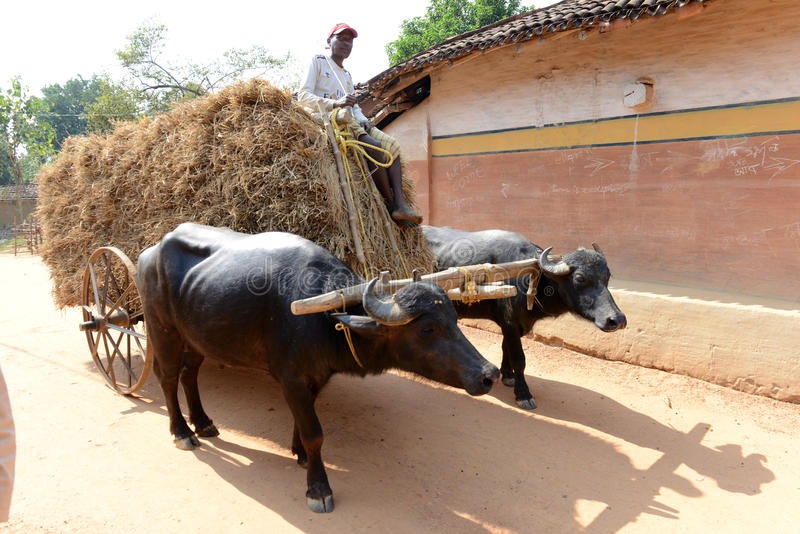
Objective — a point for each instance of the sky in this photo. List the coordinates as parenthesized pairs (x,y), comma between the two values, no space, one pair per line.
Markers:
(52,41)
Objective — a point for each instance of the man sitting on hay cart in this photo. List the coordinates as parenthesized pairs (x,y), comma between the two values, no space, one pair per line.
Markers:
(329,86)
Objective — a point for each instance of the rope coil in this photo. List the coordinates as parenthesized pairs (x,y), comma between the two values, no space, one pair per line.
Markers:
(351,147)
(346,141)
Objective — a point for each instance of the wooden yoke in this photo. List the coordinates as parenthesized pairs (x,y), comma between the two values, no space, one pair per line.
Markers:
(484,278)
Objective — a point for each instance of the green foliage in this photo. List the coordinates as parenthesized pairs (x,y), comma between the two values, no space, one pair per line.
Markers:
(5,171)
(113,103)
(445,19)
(68,105)
(26,141)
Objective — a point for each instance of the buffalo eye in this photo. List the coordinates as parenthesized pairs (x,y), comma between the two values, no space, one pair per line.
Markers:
(580,279)
(427,331)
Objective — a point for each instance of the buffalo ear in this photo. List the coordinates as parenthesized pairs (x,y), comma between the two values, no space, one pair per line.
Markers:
(361,325)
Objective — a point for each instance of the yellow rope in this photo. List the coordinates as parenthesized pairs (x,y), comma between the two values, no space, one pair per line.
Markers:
(365,173)
(347,142)
(346,329)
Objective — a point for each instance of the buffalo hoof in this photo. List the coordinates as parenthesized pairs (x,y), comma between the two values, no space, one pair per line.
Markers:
(208,431)
(320,505)
(188,443)
(526,404)
(509,382)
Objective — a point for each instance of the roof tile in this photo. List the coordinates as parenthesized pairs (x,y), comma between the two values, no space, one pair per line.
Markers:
(552,19)
(28,191)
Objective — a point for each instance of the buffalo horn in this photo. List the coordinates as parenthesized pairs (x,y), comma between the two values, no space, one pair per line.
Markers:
(556,269)
(597,249)
(386,312)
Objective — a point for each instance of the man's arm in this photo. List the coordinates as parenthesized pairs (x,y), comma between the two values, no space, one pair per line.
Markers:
(316,86)
(362,119)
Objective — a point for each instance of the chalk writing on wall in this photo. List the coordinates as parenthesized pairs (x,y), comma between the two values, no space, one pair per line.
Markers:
(764,236)
(464,173)
(741,156)
(461,203)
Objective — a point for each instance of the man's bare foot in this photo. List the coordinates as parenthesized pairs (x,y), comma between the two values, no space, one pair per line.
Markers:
(406,214)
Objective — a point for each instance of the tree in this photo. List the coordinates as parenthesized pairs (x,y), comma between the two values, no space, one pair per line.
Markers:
(5,170)
(444,19)
(26,142)
(113,103)
(161,84)
(67,106)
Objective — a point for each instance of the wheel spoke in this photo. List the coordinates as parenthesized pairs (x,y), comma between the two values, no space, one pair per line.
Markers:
(110,359)
(125,362)
(105,282)
(128,331)
(113,277)
(95,345)
(95,289)
(138,336)
(115,305)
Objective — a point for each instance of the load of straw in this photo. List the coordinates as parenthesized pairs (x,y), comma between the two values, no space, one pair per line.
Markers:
(248,158)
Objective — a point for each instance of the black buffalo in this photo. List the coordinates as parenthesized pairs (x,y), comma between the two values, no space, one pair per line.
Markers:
(218,293)
(578,284)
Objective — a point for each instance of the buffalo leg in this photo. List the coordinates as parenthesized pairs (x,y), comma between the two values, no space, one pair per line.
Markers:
(297,448)
(167,366)
(203,425)
(513,368)
(300,398)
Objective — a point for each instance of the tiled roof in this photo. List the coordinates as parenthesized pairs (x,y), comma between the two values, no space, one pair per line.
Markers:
(563,16)
(9,192)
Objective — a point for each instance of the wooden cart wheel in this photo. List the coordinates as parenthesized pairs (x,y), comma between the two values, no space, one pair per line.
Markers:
(113,320)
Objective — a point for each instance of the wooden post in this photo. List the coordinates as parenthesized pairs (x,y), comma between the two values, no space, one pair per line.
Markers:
(351,210)
(388,224)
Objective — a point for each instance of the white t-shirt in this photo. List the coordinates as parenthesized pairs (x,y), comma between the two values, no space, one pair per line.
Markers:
(327,82)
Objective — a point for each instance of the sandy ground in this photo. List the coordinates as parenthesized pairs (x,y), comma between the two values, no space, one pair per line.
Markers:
(612,447)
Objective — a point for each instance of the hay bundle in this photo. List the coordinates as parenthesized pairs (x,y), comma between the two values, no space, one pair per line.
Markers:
(248,158)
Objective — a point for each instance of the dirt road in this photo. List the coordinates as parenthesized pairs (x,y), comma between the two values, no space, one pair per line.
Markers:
(611,448)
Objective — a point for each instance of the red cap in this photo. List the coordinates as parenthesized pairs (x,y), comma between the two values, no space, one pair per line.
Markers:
(339,28)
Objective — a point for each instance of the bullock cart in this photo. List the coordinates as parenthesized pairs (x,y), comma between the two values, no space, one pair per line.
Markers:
(116,329)
(248,158)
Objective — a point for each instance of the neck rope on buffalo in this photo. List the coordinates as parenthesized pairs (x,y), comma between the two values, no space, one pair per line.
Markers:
(530,294)
(346,329)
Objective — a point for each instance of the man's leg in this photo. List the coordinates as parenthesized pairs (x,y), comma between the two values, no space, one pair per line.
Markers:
(401,211)
(381,180)
(380,174)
